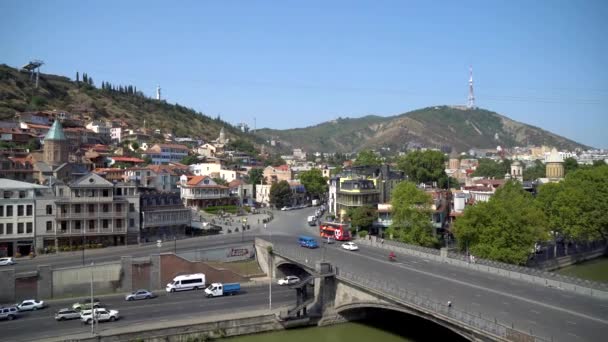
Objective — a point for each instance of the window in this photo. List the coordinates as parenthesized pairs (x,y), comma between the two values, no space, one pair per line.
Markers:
(118,208)
(131,207)
(64,226)
(20,210)
(77,208)
(131,222)
(49,226)
(60,192)
(9,211)
(91,224)
(20,228)
(77,225)
(22,194)
(105,208)
(105,193)
(104,223)
(49,209)
(8,194)
(1,228)
(28,210)
(1,211)
(29,227)
(91,208)
(119,223)
(9,228)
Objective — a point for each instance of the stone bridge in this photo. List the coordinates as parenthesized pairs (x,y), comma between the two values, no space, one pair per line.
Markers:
(341,295)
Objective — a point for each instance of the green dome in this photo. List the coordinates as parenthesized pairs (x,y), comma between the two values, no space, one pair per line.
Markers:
(56,132)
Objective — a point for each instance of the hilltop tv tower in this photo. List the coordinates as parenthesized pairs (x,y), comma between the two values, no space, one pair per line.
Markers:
(158,92)
(471,99)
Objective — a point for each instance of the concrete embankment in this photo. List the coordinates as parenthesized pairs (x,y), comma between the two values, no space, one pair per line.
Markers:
(224,325)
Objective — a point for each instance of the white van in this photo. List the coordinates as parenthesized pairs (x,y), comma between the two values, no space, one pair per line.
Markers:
(187,282)
(312,220)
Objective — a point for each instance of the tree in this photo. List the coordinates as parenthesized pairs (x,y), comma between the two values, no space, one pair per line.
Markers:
(505,228)
(147,160)
(314,182)
(135,146)
(490,168)
(423,166)
(280,194)
(412,216)
(570,165)
(77,78)
(367,158)
(256,176)
(33,144)
(362,217)
(577,206)
(538,170)
(274,160)
(190,159)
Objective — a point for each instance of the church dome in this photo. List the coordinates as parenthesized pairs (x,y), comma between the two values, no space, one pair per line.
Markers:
(554,157)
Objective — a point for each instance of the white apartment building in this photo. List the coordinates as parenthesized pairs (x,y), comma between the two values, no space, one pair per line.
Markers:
(18,217)
(204,169)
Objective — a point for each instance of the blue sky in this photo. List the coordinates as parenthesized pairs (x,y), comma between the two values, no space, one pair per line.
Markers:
(299,63)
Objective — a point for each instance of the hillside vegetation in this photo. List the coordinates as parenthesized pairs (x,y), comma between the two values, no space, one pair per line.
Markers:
(18,94)
(460,129)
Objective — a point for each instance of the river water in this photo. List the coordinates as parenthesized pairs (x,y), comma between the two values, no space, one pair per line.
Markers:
(596,269)
(385,327)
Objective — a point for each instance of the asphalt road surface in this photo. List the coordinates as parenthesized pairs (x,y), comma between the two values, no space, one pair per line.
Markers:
(168,306)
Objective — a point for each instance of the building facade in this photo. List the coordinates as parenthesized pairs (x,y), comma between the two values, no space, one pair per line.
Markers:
(167,153)
(18,217)
(202,191)
(163,216)
(89,210)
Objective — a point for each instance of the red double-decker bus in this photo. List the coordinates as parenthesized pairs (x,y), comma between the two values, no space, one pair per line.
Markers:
(335,230)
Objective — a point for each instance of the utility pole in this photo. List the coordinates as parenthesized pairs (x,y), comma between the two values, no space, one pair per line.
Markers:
(93,311)
(269,273)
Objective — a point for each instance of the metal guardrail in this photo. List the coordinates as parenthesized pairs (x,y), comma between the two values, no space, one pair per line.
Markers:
(533,272)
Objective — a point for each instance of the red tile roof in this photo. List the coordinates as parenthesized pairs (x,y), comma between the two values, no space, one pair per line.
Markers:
(122,159)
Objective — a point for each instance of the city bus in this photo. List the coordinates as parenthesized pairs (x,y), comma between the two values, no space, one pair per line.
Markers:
(335,230)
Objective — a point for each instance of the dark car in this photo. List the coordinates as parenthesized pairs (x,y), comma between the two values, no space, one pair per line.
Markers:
(65,314)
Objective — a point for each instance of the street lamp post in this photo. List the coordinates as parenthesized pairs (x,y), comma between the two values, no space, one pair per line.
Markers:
(269,273)
(93,311)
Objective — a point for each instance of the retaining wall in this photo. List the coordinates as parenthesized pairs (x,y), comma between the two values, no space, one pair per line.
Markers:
(76,281)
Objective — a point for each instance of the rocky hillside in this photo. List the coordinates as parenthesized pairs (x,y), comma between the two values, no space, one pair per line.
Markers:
(18,94)
(461,129)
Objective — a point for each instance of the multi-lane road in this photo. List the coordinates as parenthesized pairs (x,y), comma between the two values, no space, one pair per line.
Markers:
(166,307)
(548,312)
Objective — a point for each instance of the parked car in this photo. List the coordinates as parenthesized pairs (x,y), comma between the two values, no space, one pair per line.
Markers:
(101,315)
(85,304)
(289,280)
(9,313)
(350,246)
(65,314)
(31,305)
(140,294)
(6,261)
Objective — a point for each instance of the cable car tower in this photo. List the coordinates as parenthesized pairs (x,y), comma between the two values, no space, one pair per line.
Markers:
(34,68)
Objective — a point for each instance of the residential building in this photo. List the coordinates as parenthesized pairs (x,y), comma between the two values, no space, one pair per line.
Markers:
(112,174)
(130,161)
(299,154)
(102,128)
(354,193)
(88,210)
(207,150)
(168,176)
(276,174)
(298,193)
(241,190)
(202,192)
(18,217)
(163,215)
(204,169)
(166,153)
(116,134)
(17,168)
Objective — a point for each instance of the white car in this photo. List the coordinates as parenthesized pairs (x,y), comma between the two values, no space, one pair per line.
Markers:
(6,261)
(30,305)
(101,315)
(350,246)
(289,280)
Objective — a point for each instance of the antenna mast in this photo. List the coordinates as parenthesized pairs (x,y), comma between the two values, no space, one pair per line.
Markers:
(471,99)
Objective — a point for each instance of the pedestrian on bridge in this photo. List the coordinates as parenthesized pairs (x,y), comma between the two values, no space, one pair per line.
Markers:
(449,304)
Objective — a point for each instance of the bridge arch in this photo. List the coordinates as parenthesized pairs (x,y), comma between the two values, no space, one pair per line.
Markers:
(373,311)
(284,268)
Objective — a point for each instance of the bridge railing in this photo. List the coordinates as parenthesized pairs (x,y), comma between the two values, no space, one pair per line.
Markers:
(475,321)
(533,272)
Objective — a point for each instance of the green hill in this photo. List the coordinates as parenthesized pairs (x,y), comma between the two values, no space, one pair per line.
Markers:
(459,128)
(18,94)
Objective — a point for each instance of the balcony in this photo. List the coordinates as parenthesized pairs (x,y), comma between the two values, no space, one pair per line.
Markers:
(92,215)
(205,196)
(84,199)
